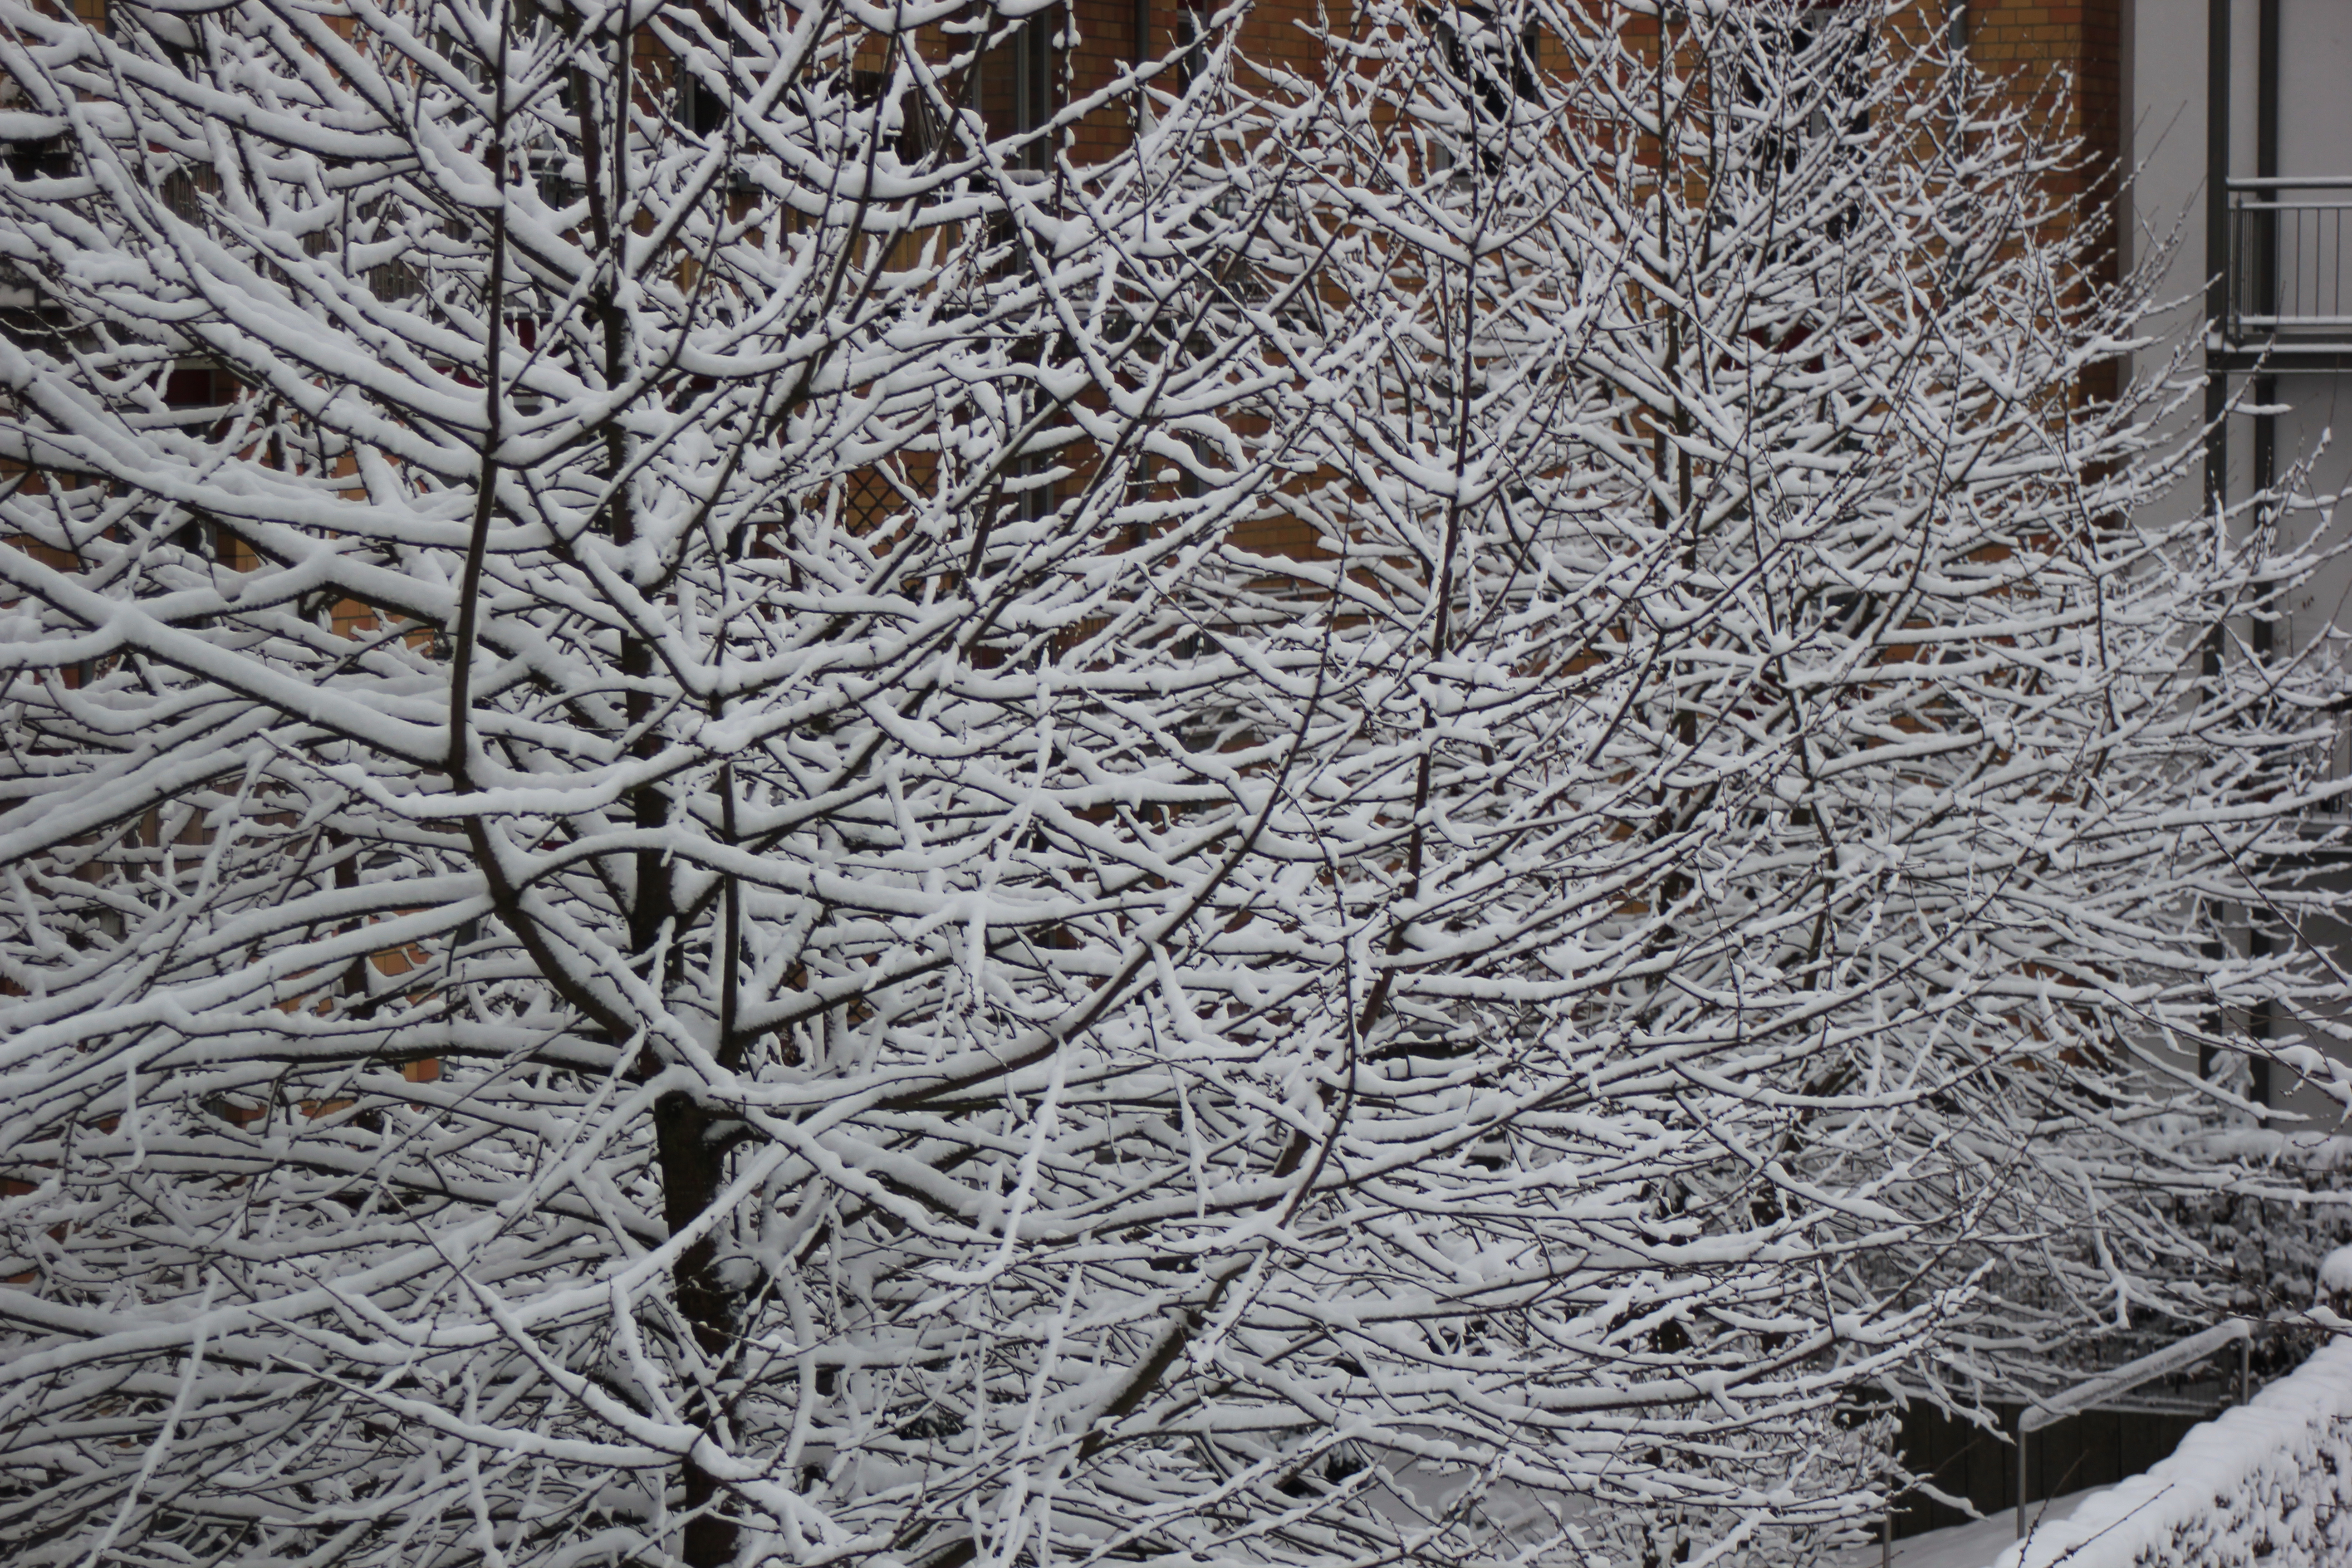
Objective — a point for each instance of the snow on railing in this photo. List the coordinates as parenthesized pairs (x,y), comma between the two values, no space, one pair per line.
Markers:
(2269,1483)
(2123,1380)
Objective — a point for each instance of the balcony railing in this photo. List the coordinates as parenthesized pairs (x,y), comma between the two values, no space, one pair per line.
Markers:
(2289,264)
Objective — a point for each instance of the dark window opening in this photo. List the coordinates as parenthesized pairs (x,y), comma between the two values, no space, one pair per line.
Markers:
(453,49)
(550,176)
(1019,86)
(706,107)
(1032,500)
(1034,81)
(1805,84)
(198,392)
(392,281)
(1816,83)
(50,158)
(183,192)
(903,122)
(198,387)
(1488,67)
(1191,43)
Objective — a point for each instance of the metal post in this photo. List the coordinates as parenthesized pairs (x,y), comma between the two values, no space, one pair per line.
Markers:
(2245,1371)
(2262,634)
(1887,1539)
(2217,250)
(2216,378)
(2217,161)
(2020,1472)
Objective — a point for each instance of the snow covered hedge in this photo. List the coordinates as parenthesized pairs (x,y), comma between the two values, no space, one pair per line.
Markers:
(2269,1482)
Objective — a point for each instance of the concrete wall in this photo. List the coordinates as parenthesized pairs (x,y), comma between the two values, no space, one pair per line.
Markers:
(2163,146)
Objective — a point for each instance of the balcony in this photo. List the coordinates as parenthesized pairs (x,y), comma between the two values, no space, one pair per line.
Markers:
(2288,275)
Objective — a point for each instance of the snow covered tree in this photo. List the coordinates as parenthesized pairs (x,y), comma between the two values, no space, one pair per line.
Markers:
(629,718)
(752,815)
(1817,730)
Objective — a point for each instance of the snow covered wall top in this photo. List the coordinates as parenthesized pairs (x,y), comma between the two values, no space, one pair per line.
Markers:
(2268,1482)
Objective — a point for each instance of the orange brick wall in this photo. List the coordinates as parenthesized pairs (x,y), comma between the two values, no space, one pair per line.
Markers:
(2063,62)
(2060,62)
(2023,40)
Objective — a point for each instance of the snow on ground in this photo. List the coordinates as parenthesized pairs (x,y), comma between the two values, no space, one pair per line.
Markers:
(1973,1545)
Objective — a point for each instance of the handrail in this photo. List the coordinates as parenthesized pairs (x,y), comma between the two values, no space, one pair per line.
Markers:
(2131,1374)
(2294,182)
(2262,1486)
(2122,1379)
(2289,260)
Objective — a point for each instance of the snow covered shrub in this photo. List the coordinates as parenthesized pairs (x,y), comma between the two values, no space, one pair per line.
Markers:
(747,818)
(2265,1243)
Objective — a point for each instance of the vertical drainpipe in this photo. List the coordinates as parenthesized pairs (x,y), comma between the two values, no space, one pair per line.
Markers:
(2217,240)
(2263,257)
(2217,304)
(1141,22)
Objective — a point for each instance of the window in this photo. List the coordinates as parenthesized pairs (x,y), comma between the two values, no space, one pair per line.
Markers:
(1805,78)
(703,108)
(1192,42)
(185,191)
(1020,83)
(1804,89)
(1033,81)
(197,387)
(1486,67)
(904,124)
(49,159)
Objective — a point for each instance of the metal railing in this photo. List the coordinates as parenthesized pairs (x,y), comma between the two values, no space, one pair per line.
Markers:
(2105,1388)
(2290,270)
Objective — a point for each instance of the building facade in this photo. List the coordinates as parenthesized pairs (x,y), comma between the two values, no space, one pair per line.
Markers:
(2237,152)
